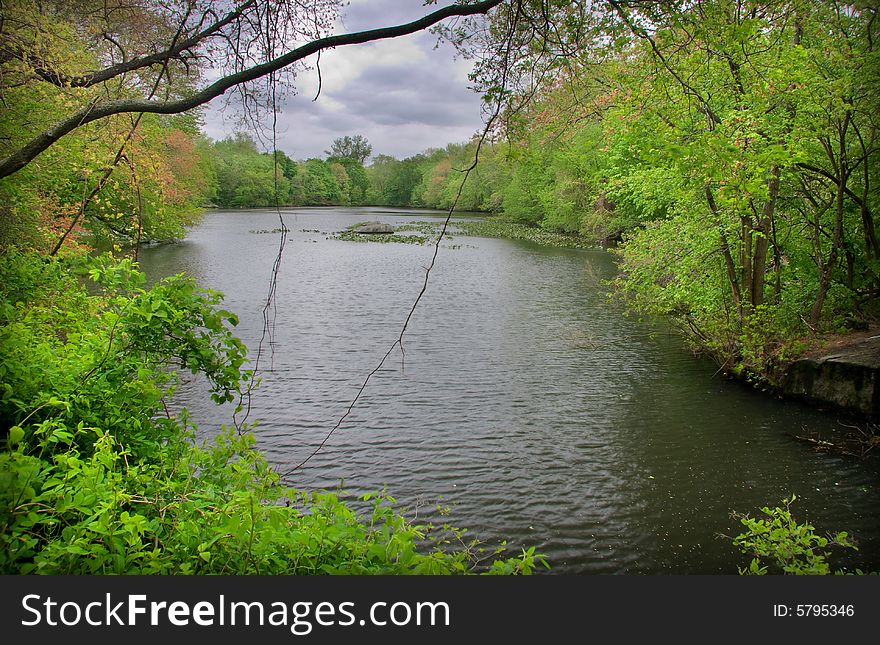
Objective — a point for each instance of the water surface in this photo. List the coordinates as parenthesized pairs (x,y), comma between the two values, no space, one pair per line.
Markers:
(526,403)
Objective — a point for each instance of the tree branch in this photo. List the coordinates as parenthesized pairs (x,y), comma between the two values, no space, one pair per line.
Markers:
(126,66)
(833,179)
(641,33)
(19,159)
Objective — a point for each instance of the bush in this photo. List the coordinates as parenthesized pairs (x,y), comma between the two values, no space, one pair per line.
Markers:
(781,544)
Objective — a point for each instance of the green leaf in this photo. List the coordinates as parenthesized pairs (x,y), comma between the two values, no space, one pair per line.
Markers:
(16,434)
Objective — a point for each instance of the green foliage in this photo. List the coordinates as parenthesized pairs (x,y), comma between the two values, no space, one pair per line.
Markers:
(105,357)
(358,182)
(96,477)
(151,179)
(778,543)
(728,138)
(497,227)
(153,195)
(394,182)
(555,181)
(245,177)
(433,179)
(320,185)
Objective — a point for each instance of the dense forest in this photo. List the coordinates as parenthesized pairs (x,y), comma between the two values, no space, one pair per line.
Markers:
(728,150)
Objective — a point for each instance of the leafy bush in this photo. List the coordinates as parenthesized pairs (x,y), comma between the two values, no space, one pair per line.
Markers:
(781,544)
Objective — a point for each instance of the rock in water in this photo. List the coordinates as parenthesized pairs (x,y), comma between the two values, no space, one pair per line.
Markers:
(373,227)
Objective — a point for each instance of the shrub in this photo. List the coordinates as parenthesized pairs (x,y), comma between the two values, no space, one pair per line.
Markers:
(779,543)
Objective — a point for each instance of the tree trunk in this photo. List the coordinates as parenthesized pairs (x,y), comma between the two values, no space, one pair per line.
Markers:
(745,261)
(725,251)
(762,241)
(827,269)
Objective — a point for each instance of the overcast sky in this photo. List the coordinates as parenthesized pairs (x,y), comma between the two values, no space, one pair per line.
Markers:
(403,95)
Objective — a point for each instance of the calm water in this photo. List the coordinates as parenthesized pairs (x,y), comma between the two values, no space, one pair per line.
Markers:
(527,404)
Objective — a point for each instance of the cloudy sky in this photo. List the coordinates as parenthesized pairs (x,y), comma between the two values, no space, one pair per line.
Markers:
(401,94)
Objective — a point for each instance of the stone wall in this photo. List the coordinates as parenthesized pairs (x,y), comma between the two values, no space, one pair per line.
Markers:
(848,380)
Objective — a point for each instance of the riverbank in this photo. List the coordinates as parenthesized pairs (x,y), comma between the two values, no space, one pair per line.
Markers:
(493,227)
(840,372)
(843,373)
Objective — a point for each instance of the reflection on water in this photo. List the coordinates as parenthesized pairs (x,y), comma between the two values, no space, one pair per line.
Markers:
(527,403)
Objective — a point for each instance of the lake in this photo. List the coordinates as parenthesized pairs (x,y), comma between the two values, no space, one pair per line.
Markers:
(527,405)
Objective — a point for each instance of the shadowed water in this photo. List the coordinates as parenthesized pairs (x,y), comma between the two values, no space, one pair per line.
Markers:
(528,404)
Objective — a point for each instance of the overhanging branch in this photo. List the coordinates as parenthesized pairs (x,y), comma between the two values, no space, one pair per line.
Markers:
(176,50)
(19,159)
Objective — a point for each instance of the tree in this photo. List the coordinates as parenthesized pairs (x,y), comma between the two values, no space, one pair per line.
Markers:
(356,148)
(358,182)
(153,66)
(320,184)
(247,178)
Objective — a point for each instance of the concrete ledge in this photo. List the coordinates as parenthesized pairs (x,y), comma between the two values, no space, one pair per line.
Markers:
(848,379)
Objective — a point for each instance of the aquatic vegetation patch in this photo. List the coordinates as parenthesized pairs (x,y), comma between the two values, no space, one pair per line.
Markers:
(516,231)
(426,232)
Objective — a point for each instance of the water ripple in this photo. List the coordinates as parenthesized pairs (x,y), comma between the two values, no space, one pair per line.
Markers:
(526,403)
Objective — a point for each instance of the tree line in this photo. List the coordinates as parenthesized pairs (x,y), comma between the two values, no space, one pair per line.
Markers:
(243,177)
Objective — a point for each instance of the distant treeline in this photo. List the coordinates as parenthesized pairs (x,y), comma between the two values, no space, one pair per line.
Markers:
(244,177)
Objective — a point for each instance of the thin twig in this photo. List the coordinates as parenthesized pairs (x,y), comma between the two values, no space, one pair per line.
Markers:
(499,105)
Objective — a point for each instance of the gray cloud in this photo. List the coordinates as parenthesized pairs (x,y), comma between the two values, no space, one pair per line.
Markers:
(424,94)
(370,14)
(404,96)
